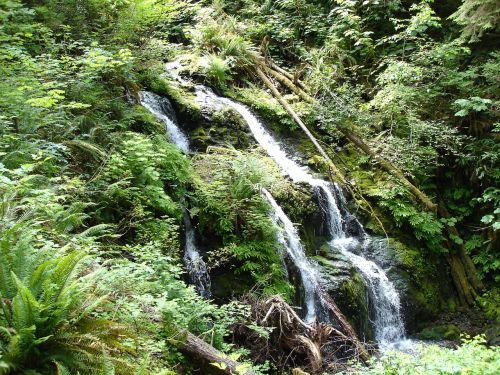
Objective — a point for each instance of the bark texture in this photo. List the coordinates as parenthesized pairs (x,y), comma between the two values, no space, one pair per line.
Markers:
(205,353)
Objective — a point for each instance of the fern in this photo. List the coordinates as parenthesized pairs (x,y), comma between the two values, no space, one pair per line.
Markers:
(44,323)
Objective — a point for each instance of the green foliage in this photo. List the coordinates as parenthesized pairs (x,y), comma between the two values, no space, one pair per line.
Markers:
(217,70)
(477,17)
(471,357)
(143,169)
(228,203)
(47,321)
(473,104)
(85,172)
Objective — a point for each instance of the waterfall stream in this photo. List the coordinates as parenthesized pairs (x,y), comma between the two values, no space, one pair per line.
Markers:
(384,298)
(290,240)
(196,267)
(162,109)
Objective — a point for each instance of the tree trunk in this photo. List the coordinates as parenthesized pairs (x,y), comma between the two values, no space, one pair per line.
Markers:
(467,265)
(466,294)
(199,349)
(304,128)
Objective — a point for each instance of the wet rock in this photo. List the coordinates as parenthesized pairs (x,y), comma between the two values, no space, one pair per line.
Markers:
(344,284)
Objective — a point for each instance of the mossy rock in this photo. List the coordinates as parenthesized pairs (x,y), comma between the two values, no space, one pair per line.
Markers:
(347,288)
(442,332)
(227,285)
(145,122)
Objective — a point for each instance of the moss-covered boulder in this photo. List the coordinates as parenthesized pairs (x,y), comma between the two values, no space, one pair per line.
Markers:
(344,284)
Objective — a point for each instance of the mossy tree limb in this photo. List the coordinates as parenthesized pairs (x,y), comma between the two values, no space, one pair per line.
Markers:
(335,170)
(290,85)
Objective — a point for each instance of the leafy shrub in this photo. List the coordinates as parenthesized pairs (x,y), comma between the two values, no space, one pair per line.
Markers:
(46,323)
(141,180)
(228,203)
(217,71)
(472,357)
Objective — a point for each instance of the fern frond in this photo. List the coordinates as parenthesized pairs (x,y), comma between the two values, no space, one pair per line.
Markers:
(92,149)
(97,231)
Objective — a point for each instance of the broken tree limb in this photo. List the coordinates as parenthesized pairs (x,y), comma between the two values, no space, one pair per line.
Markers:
(288,75)
(336,171)
(308,339)
(290,85)
(199,349)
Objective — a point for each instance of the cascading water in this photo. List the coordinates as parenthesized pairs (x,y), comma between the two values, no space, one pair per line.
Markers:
(163,111)
(195,266)
(290,240)
(383,296)
(387,319)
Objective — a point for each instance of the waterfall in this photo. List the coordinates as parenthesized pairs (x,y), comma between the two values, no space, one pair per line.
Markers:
(290,240)
(384,298)
(162,109)
(196,267)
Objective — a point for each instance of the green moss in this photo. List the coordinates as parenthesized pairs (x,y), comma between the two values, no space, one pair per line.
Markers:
(143,121)
(442,332)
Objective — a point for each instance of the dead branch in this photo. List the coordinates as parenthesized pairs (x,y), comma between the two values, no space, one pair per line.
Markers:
(207,354)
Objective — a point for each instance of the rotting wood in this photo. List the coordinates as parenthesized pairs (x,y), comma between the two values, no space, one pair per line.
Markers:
(199,349)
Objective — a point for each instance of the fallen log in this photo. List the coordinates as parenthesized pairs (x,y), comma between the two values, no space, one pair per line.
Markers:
(210,356)
(290,85)
(389,167)
(290,76)
(335,170)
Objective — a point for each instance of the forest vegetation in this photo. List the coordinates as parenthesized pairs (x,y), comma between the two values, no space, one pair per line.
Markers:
(395,103)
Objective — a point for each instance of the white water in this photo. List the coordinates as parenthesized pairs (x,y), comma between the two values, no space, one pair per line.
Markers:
(162,109)
(386,305)
(290,240)
(196,267)
(387,320)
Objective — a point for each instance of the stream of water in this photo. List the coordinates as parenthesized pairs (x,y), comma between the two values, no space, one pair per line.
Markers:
(290,240)
(195,266)
(163,111)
